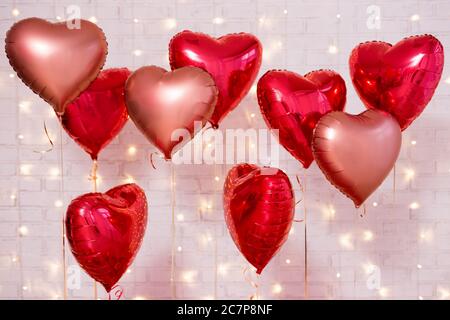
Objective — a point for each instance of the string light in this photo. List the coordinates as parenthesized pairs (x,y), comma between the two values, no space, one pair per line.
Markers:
(375,204)
(288,261)
(58,203)
(443,293)
(420,298)
(137,52)
(414,206)
(129,179)
(132,150)
(329,212)
(129,270)
(419,266)
(23,231)
(415,17)
(179,249)
(25,106)
(414,142)
(346,241)
(368,235)
(135,20)
(54,172)
(383,292)
(253,89)
(338,16)
(93,19)
(369,268)
(426,235)
(222,269)
(338,275)
(15,12)
(139,298)
(25,169)
(218,20)
(409,174)
(285,11)
(332,49)
(252,115)
(447,81)
(180,217)
(170,23)
(14,259)
(216,178)
(189,276)
(11,75)
(13,196)
(277,288)
(58,18)
(24,288)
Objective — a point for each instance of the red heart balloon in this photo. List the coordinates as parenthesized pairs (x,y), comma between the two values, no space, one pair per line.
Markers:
(160,103)
(401,78)
(293,104)
(56,62)
(357,152)
(105,231)
(232,60)
(259,209)
(99,113)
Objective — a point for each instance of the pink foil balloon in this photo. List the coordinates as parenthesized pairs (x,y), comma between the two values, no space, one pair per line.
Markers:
(259,209)
(232,60)
(160,102)
(401,78)
(356,152)
(99,113)
(293,104)
(56,62)
(105,231)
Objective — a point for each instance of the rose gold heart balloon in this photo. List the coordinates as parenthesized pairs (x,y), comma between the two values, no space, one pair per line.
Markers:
(356,152)
(56,62)
(160,102)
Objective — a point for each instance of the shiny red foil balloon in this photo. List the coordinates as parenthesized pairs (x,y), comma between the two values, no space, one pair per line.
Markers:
(160,103)
(259,209)
(401,78)
(232,60)
(357,152)
(293,104)
(99,113)
(55,61)
(105,231)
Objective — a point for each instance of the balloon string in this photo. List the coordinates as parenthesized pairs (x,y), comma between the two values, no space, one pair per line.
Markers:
(363,214)
(63,223)
(173,230)
(394,184)
(93,177)
(253,283)
(49,140)
(117,292)
(305,227)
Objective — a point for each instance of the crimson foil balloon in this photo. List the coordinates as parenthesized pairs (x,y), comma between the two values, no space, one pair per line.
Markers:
(99,113)
(56,60)
(357,152)
(232,60)
(161,103)
(401,78)
(292,104)
(259,209)
(105,231)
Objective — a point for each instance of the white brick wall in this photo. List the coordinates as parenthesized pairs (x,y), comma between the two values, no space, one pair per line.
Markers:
(411,247)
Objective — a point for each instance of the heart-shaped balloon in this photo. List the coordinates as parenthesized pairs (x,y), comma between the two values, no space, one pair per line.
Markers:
(292,105)
(356,152)
(99,113)
(259,209)
(232,60)
(56,60)
(105,231)
(401,78)
(161,103)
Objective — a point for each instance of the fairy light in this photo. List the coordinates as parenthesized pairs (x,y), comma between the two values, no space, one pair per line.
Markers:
(170,23)
(253,89)
(139,298)
(346,241)
(414,206)
(368,235)
(329,212)
(129,270)
(14,259)
(414,142)
(222,269)
(285,11)
(58,203)
(25,169)
(419,266)
(23,231)
(383,292)
(20,136)
(218,20)
(13,196)
(277,288)
(15,12)
(369,268)
(24,288)
(54,172)
(409,174)
(426,235)
(443,293)
(338,275)
(288,261)
(375,204)
(58,18)
(338,16)
(25,106)
(11,75)
(135,20)
(332,49)
(420,298)
(447,81)
(415,17)
(93,19)
(189,276)
(137,52)
(292,230)
(252,115)
(132,150)
(179,248)
(129,179)
(216,178)
(180,217)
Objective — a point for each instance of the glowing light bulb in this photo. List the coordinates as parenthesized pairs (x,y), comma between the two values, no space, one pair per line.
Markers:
(179,248)
(277,288)
(132,150)
(288,261)
(58,18)
(330,134)
(415,17)
(216,178)
(93,19)
(375,204)
(383,292)
(419,266)
(285,11)
(13,196)
(135,20)
(332,49)
(414,142)
(252,115)
(139,298)
(170,23)
(188,276)
(54,172)
(137,52)
(447,81)
(23,231)
(409,174)
(218,20)
(338,16)
(15,12)
(338,275)
(222,269)
(368,235)
(58,203)
(180,217)
(25,169)
(346,241)
(414,206)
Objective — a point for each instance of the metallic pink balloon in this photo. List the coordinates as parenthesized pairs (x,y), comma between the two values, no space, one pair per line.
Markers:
(293,104)
(401,78)
(99,113)
(159,102)
(232,60)
(105,231)
(259,209)
(356,152)
(56,62)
